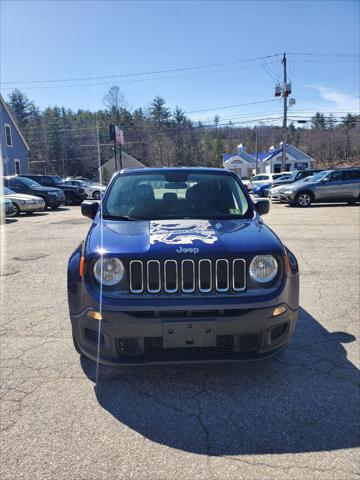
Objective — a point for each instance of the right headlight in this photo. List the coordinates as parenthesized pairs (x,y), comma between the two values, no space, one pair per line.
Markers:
(111,272)
(263,268)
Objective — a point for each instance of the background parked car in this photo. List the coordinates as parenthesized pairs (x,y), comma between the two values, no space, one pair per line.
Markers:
(262,178)
(24,203)
(6,209)
(295,177)
(73,195)
(53,197)
(262,190)
(92,190)
(341,185)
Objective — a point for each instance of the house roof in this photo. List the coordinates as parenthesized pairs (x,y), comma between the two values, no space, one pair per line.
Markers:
(3,104)
(242,154)
(290,149)
(127,162)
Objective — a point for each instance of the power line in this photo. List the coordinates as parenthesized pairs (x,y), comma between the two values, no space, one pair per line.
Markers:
(325,54)
(139,79)
(153,72)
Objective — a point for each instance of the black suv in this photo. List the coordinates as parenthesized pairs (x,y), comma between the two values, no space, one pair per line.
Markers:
(53,197)
(73,195)
(294,177)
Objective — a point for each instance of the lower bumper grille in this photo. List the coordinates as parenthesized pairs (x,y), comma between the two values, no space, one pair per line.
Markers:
(154,345)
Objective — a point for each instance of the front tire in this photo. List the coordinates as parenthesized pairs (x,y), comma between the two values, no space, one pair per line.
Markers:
(96,195)
(16,209)
(303,199)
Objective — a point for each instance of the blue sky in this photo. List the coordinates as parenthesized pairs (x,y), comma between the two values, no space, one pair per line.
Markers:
(51,40)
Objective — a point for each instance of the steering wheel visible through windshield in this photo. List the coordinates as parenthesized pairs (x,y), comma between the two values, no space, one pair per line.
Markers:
(176,195)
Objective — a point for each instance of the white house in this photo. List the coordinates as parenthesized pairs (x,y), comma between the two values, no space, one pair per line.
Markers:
(241,162)
(296,159)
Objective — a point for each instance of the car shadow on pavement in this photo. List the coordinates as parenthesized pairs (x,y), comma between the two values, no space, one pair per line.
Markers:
(322,205)
(304,400)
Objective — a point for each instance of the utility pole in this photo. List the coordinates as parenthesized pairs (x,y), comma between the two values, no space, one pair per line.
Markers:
(284,132)
(256,151)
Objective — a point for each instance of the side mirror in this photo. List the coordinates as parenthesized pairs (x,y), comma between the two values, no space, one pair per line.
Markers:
(262,206)
(89,208)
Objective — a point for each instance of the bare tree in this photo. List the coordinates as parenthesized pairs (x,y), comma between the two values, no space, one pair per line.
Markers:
(114,100)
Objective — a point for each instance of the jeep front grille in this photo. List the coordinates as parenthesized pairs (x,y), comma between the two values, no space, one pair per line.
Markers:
(187,276)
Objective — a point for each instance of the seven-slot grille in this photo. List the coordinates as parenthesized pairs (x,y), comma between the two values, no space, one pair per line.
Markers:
(187,276)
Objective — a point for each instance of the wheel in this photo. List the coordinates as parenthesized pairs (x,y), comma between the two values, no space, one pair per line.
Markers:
(16,209)
(96,195)
(76,345)
(303,199)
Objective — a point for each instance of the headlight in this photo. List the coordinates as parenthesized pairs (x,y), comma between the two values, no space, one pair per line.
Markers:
(263,268)
(113,271)
(288,192)
(29,202)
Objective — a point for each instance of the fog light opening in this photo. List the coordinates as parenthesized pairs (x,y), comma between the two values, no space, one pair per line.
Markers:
(94,314)
(279,311)
(278,331)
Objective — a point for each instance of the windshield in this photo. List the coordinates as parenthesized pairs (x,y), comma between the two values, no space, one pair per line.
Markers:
(8,191)
(176,195)
(56,180)
(30,183)
(286,177)
(319,176)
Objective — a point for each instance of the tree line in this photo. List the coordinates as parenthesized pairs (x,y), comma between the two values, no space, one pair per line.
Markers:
(68,142)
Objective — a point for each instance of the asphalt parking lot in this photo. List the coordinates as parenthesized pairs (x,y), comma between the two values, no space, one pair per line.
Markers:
(291,417)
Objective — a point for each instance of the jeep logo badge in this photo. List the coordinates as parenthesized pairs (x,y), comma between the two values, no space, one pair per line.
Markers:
(187,250)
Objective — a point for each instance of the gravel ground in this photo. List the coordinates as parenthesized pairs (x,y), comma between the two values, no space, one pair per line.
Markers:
(292,417)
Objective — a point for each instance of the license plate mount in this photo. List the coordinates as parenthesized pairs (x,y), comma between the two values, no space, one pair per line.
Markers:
(189,334)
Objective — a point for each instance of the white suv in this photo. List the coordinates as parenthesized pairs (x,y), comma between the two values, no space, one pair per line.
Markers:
(262,178)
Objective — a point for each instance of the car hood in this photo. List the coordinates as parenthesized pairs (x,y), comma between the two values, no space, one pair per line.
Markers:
(69,187)
(45,189)
(21,196)
(188,238)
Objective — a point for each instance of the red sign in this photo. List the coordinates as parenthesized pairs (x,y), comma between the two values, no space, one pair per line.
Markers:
(119,136)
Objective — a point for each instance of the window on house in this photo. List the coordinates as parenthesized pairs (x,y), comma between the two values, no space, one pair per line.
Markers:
(8,135)
(17,165)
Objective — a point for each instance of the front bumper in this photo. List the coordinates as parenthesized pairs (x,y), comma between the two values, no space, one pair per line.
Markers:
(35,207)
(55,201)
(137,337)
(287,198)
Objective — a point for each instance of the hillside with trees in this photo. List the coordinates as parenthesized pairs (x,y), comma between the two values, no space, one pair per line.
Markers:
(66,142)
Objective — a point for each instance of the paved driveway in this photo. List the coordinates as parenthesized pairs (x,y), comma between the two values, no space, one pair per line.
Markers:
(295,416)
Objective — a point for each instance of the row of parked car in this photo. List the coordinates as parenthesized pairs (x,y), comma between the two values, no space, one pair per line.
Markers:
(33,193)
(304,187)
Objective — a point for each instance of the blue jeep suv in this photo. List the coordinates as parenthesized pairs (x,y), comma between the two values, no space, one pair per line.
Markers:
(178,266)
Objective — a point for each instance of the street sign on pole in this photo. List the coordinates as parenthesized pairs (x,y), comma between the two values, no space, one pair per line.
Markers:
(117,135)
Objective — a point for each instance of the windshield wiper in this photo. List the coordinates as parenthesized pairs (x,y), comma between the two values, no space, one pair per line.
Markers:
(120,217)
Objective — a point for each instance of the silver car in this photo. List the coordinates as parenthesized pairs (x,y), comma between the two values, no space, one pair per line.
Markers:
(340,185)
(24,203)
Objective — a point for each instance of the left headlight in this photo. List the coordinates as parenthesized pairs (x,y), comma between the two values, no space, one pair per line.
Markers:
(263,268)
(113,271)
